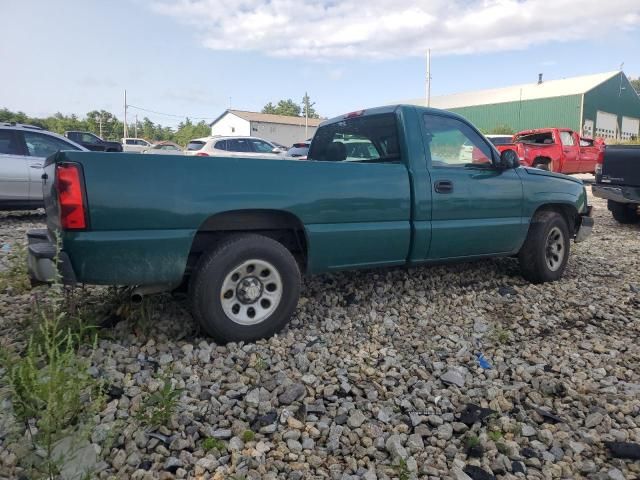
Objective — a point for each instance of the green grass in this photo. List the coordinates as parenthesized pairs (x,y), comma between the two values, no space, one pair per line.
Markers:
(15,277)
(500,335)
(160,405)
(211,443)
(495,435)
(402,470)
(248,436)
(471,441)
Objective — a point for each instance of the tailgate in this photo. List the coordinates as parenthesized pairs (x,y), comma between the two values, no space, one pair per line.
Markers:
(50,195)
(621,165)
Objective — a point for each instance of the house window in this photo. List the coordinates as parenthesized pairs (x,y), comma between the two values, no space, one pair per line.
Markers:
(233,129)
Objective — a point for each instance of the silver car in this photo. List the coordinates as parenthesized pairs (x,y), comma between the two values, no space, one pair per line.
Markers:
(23,149)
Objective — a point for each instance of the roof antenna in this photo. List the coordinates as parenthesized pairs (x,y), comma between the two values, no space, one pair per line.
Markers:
(621,65)
(539,78)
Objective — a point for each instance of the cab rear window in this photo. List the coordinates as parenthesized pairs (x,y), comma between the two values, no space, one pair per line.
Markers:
(194,145)
(371,138)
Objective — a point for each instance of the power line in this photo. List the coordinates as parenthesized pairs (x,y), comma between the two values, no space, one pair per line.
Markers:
(171,114)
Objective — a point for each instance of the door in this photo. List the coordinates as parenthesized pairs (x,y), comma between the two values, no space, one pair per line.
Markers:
(606,124)
(476,208)
(262,148)
(570,152)
(630,128)
(39,147)
(14,170)
(239,147)
(589,152)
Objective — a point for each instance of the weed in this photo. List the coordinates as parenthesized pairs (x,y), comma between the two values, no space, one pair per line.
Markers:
(248,436)
(15,276)
(161,405)
(501,335)
(471,441)
(261,364)
(211,443)
(495,435)
(49,384)
(402,470)
(502,448)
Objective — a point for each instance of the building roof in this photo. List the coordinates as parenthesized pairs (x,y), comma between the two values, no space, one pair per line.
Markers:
(269,118)
(527,91)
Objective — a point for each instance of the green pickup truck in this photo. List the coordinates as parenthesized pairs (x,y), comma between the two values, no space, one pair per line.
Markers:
(382,187)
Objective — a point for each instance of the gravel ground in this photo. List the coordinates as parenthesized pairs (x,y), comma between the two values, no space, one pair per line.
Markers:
(377,376)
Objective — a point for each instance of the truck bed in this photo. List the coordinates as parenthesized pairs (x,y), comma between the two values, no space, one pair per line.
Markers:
(621,166)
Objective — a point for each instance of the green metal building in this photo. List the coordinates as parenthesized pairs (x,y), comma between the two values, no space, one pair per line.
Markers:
(603,105)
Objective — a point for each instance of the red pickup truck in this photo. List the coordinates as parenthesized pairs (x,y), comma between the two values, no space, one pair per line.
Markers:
(556,149)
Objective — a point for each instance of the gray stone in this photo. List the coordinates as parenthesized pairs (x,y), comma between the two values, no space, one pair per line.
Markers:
(78,459)
(445,431)
(292,393)
(593,420)
(395,448)
(253,397)
(221,433)
(453,377)
(528,430)
(356,419)
(615,474)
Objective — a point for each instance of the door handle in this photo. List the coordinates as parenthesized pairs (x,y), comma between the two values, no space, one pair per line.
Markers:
(443,186)
(36,165)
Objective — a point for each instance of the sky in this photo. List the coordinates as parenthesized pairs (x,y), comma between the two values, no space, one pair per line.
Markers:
(198,57)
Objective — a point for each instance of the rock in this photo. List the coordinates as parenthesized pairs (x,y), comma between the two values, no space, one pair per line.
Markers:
(78,460)
(474,413)
(292,393)
(119,460)
(453,377)
(587,466)
(253,397)
(415,443)
(577,447)
(395,448)
(295,423)
(518,467)
(264,420)
(445,431)
(333,442)
(528,431)
(615,474)
(624,450)
(221,434)
(477,473)
(172,464)
(356,419)
(308,379)
(458,474)
(593,420)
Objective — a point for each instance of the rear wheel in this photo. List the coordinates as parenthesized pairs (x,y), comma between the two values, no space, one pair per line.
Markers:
(623,212)
(542,165)
(544,255)
(245,289)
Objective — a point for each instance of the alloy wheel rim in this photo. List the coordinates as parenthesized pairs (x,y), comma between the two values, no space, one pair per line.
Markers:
(251,292)
(555,249)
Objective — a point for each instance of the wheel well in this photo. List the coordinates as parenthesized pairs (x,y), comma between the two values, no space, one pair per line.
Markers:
(568,212)
(283,227)
(541,160)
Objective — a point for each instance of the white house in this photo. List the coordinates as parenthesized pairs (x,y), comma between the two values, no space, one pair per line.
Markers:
(277,128)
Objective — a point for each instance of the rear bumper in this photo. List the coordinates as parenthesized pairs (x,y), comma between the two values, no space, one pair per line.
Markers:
(42,260)
(586,225)
(616,194)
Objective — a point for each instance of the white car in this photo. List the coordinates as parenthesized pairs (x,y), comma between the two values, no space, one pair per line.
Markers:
(23,150)
(164,148)
(219,146)
(135,145)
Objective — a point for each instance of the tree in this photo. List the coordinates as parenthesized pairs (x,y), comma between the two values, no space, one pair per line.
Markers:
(635,83)
(502,130)
(285,107)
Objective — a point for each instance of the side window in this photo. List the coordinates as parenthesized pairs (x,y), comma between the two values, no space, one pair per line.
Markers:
(567,139)
(40,145)
(9,143)
(453,143)
(221,145)
(130,141)
(261,147)
(88,138)
(372,138)
(239,145)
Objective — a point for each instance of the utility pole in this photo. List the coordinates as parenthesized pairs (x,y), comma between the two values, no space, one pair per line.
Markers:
(428,77)
(100,124)
(125,115)
(136,126)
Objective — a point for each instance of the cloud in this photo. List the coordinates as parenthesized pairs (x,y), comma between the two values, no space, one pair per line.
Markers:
(326,29)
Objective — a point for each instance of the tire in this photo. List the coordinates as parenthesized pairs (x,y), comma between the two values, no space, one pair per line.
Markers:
(242,273)
(541,258)
(623,213)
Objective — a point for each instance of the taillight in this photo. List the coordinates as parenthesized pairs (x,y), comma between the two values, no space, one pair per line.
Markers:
(600,161)
(359,113)
(70,197)
(202,154)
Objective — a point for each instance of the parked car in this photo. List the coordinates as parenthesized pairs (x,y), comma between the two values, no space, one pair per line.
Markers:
(241,234)
(164,148)
(299,150)
(219,146)
(92,142)
(618,181)
(135,145)
(23,149)
(556,149)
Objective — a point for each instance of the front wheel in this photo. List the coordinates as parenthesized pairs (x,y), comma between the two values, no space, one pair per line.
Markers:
(544,255)
(245,289)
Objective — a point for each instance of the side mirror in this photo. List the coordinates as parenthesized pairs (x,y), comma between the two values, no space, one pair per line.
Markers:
(509,159)
(276,150)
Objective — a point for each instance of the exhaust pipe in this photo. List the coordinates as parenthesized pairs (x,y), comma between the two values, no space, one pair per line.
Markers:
(138,293)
